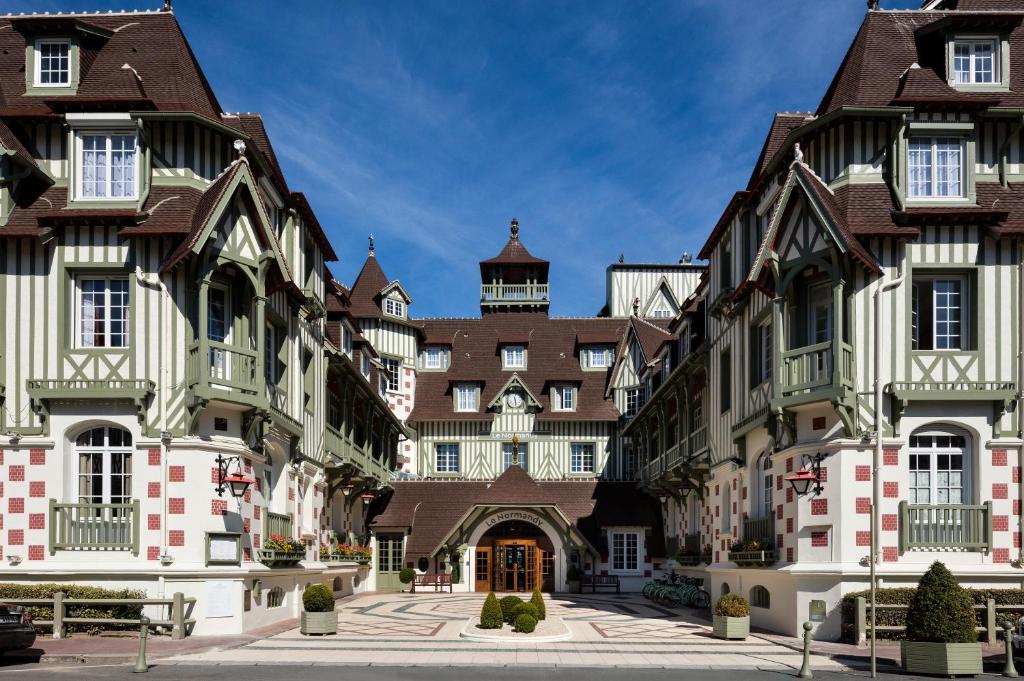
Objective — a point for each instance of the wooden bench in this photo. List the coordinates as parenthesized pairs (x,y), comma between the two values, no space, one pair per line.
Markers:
(439,582)
(596,582)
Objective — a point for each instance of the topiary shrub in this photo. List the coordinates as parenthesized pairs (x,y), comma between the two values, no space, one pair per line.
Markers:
(490,613)
(538,602)
(525,608)
(318,598)
(406,575)
(940,610)
(732,605)
(42,612)
(508,605)
(524,623)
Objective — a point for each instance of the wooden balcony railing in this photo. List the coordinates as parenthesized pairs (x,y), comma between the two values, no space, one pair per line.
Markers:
(811,368)
(227,368)
(513,293)
(278,523)
(960,526)
(94,527)
(278,398)
(760,527)
(698,441)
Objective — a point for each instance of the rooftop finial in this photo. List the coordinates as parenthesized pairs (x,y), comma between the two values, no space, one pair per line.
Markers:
(636,307)
(798,154)
(515,228)
(239,146)
(372,253)
(167,5)
(872,4)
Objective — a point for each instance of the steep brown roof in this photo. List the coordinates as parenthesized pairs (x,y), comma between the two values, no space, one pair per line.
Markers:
(150,42)
(431,508)
(553,355)
(252,125)
(204,210)
(514,252)
(365,295)
(650,337)
(782,124)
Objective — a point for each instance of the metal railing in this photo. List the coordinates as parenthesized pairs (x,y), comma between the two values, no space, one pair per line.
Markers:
(513,293)
(94,527)
(278,523)
(179,611)
(760,527)
(960,526)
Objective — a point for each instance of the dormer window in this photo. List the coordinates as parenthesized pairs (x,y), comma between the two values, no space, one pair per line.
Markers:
(597,357)
(395,308)
(435,358)
(106,166)
(975,62)
(52,63)
(564,398)
(466,397)
(514,357)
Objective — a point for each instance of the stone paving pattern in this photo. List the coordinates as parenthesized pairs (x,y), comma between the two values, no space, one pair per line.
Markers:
(423,629)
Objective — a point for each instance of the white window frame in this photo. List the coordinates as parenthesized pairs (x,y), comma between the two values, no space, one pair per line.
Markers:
(964,310)
(346,339)
(364,361)
(107,308)
(765,485)
(941,445)
(394,307)
(662,313)
(597,358)
(79,173)
(438,353)
(451,451)
(38,62)
(560,393)
(622,544)
(633,395)
(972,58)
(514,352)
(106,453)
(387,374)
(933,168)
(725,522)
(579,452)
(466,397)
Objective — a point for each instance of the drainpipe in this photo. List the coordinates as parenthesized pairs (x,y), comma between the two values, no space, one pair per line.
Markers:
(165,387)
(1020,412)
(876,464)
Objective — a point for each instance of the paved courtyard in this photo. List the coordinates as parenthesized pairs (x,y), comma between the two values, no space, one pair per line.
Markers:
(423,629)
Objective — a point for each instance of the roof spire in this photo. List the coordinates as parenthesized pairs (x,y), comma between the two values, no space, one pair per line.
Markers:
(515,228)
(372,252)
(167,5)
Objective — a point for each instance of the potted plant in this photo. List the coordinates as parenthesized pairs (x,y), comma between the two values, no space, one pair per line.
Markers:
(318,616)
(572,579)
(732,617)
(406,575)
(705,555)
(751,553)
(281,551)
(941,635)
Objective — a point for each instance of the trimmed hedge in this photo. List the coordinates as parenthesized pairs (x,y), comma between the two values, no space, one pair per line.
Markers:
(406,575)
(525,609)
(525,623)
(508,606)
(538,602)
(941,610)
(42,612)
(490,613)
(903,595)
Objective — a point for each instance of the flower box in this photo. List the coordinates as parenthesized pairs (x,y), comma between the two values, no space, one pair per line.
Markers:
(730,627)
(277,558)
(940,659)
(689,561)
(753,558)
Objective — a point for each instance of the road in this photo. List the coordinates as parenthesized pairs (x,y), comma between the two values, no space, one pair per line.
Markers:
(380,673)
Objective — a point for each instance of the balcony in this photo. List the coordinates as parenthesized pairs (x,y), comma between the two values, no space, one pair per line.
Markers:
(279,407)
(223,371)
(810,374)
(94,527)
(756,549)
(513,294)
(344,451)
(698,441)
(277,523)
(926,527)
(690,551)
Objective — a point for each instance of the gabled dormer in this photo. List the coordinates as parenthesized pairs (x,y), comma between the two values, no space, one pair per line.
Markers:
(395,301)
(514,280)
(514,397)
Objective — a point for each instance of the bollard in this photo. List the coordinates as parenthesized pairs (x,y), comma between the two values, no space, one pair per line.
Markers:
(140,661)
(1009,670)
(805,668)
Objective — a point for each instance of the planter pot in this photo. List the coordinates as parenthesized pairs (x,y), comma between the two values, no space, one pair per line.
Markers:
(944,659)
(273,558)
(731,627)
(319,623)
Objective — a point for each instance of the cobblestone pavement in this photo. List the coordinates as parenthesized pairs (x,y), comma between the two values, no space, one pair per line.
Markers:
(423,630)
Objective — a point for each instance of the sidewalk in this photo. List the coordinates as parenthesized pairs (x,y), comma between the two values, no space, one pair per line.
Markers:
(113,649)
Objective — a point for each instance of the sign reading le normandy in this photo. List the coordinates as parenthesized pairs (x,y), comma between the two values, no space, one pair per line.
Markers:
(504,516)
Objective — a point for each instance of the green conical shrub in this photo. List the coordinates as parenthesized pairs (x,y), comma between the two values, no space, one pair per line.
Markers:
(940,610)
(490,614)
(538,602)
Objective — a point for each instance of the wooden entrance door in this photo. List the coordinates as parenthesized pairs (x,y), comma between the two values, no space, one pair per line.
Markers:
(482,577)
(516,565)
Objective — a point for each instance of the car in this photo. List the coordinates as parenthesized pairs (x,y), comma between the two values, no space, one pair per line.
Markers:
(16,630)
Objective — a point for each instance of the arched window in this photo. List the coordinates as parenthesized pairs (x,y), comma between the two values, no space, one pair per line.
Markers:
(103,466)
(760,598)
(725,588)
(763,485)
(940,467)
(275,597)
(726,508)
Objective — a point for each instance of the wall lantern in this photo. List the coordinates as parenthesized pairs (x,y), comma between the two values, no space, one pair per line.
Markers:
(236,483)
(367,497)
(347,490)
(684,493)
(662,496)
(808,477)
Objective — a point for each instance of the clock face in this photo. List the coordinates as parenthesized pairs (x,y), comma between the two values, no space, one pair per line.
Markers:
(514,400)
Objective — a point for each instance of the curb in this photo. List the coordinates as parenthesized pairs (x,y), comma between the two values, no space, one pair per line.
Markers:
(512,641)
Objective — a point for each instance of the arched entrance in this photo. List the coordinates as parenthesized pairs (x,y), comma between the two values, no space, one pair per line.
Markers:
(514,556)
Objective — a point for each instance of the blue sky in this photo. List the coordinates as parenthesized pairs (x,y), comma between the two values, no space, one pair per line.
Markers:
(604,127)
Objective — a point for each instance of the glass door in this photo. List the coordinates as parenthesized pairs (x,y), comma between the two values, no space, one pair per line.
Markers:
(482,577)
